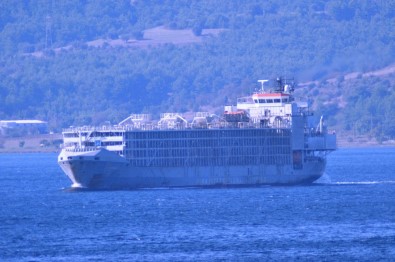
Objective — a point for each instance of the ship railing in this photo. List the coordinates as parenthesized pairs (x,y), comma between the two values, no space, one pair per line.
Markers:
(169,125)
(133,118)
(146,117)
(93,128)
(170,115)
(81,149)
(202,114)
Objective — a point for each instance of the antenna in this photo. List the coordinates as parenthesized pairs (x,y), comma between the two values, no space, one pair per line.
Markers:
(262,83)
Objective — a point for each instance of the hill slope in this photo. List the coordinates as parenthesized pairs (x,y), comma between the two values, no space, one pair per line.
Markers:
(86,62)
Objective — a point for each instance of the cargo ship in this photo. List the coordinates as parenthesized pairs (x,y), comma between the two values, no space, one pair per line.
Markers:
(267,138)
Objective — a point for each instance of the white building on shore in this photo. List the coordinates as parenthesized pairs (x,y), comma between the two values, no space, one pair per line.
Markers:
(23,127)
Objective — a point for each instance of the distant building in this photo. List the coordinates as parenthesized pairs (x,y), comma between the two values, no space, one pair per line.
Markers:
(23,127)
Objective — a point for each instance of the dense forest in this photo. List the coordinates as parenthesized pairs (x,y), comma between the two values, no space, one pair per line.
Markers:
(51,69)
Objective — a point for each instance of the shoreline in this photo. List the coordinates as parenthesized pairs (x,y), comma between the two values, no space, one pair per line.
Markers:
(29,151)
(44,143)
(50,143)
(57,151)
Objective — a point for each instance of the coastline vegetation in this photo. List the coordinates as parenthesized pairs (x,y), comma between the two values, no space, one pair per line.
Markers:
(88,62)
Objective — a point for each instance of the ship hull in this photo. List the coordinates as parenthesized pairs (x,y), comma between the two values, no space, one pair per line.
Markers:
(103,169)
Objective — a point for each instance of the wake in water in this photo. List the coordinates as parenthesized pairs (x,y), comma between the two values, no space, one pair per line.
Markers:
(326,180)
(364,182)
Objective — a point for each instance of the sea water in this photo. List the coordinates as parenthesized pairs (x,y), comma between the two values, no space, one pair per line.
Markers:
(348,215)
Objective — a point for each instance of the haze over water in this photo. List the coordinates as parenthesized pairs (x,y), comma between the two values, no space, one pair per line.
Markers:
(349,214)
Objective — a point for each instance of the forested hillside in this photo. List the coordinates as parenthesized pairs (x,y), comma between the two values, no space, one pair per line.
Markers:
(52,68)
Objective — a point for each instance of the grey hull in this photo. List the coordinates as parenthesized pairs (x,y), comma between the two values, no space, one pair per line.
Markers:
(105,170)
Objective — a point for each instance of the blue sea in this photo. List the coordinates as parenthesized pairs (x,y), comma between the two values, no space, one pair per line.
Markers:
(348,215)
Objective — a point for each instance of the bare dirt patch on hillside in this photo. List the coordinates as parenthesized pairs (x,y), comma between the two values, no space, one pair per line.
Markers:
(159,36)
(350,76)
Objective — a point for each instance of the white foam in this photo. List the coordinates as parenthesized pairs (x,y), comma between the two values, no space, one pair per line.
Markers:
(364,182)
(77,185)
(324,179)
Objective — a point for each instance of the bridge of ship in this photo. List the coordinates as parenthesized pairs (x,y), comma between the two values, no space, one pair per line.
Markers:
(267,99)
